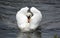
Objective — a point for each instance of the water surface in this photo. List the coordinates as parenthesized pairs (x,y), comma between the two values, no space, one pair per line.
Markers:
(50,24)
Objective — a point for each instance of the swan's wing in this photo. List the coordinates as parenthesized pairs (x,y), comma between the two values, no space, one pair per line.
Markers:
(23,10)
(36,18)
(21,17)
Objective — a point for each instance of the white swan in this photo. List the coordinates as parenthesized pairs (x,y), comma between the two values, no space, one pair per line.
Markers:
(28,20)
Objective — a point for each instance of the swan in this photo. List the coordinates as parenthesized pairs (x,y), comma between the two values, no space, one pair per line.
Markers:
(28,21)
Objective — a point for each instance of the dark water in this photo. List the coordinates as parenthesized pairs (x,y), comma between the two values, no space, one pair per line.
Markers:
(50,23)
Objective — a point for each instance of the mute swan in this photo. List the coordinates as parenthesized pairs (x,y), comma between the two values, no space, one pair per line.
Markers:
(28,21)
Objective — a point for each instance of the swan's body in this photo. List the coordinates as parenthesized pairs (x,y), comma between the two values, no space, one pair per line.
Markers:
(26,21)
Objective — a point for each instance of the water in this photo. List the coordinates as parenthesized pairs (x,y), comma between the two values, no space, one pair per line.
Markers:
(18,34)
(50,24)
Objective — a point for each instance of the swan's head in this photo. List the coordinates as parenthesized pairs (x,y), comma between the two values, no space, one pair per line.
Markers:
(29,15)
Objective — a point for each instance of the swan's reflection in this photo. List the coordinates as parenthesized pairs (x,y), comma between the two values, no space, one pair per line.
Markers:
(29,35)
